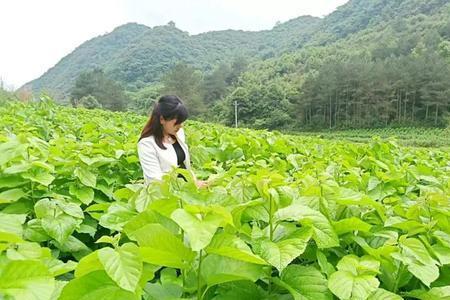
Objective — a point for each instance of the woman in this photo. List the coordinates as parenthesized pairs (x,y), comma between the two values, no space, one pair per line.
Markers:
(162,144)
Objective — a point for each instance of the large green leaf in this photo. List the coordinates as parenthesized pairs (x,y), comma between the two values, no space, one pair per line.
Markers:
(240,290)
(323,232)
(281,253)
(12,223)
(86,177)
(60,227)
(355,278)
(34,231)
(148,217)
(83,193)
(123,265)
(88,264)
(95,286)
(11,181)
(351,224)
(26,280)
(217,269)
(163,291)
(229,245)
(199,231)
(159,246)
(436,293)
(11,149)
(27,250)
(306,281)
(416,257)
(13,195)
(43,178)
(117,216)
(383,294)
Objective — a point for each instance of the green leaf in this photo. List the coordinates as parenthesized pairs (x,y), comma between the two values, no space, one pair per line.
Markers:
(26,280)
(355,278)
(109,239)
(350,197)
(83,193)
(18,168)
(88,264)
(26,250)
(159,246)
(123,265)
(73,245)
(41,177)
(117,216)
(95,286)
(70,208)
(12,149)
(323,232)
(57,267)
(164,291)
(442,237)
(148,217)
(219,269)
(416,257)
(60,227)
(46,208)
(436,293)
(86,177)
(34,231)
(324,265)
(11,195)
(307,281)
(200,232)
(442,253)
(282,253)
(383,294)
(350,225)
(11,181)
(12,223)
(229,245)
(240,290)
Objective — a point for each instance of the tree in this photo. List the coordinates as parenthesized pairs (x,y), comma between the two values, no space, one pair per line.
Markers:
(89,102)
(108,93)
(214,85)
(184,81)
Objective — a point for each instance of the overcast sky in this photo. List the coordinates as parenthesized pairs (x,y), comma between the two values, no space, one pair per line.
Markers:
(35,35)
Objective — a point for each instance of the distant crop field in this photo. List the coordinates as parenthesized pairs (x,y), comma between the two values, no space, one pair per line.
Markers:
(408,136)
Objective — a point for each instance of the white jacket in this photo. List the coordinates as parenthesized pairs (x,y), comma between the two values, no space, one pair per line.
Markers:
(155,161)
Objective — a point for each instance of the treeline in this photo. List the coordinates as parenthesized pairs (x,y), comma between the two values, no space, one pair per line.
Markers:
(353,92)
(403,91)
(350,92)
(200,91)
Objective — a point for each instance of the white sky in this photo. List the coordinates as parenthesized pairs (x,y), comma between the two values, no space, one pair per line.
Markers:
(36,34)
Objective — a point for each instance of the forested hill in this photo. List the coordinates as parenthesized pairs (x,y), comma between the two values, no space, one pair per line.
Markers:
(389,65)
(136,54)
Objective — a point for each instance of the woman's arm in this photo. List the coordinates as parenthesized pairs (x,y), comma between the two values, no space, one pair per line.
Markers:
(149,160)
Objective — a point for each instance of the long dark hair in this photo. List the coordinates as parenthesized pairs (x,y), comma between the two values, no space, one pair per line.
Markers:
(169,107)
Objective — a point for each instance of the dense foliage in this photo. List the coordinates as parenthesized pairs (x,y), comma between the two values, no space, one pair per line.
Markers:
(285,217)
(104,92)
(409,136)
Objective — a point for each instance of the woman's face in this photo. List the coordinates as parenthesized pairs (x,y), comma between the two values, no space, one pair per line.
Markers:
(170,126)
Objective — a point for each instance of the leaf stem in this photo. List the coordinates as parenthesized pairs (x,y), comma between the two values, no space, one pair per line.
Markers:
(199,293)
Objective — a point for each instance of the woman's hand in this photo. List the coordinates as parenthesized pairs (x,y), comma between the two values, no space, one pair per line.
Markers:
(201,183)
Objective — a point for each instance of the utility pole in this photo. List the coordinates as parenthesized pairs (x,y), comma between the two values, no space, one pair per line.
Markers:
(235,114)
